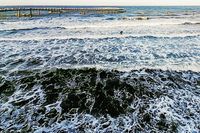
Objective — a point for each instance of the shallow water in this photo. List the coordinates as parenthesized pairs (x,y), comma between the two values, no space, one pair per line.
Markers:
(146,79)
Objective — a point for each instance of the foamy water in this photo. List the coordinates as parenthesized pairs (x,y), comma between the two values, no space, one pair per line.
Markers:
(160,43)
(146,79)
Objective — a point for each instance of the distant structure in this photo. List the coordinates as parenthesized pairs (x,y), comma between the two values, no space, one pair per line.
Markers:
(30,12)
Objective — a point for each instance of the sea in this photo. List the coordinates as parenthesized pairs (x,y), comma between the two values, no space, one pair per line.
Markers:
(132,72)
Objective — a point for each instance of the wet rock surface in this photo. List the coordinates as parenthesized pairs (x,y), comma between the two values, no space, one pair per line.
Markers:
(90,100)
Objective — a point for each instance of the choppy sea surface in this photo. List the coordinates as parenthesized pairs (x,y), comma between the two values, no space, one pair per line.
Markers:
(77,73)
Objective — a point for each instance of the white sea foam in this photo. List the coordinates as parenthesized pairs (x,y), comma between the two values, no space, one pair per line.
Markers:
(170,42)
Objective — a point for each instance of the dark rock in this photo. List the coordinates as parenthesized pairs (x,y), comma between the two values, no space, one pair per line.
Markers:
(21,102)
(198,82)
(52,94)
(104,102)
(93,79)
(6,87)
(82,91)
(111,85)
(41,121)
(73,100)
(52,113)
(147,118)
(174,127)
(162,116)
(41,110)
(162,124)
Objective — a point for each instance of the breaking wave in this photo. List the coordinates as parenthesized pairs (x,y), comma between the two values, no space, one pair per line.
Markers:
(91,100)
(12,31)
(103,37)
(132,72)
(191,23)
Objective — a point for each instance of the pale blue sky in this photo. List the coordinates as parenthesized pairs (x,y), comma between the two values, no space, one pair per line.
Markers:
(99,2)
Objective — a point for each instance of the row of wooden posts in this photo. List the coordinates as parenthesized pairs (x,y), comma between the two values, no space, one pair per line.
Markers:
(61,10)
(31,14)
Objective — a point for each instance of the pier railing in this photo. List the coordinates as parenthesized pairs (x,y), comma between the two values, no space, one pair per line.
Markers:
(31,11)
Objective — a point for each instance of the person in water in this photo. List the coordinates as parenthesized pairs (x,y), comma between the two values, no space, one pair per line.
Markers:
(121,32)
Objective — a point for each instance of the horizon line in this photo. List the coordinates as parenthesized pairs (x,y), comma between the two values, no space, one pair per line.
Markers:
(98,5)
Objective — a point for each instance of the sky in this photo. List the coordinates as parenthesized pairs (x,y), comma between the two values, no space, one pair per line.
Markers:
(100,2)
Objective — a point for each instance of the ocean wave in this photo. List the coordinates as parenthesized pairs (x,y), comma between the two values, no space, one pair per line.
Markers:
(11,31)
(81,73)
(110,18)
(191,23)
(105,37)
(135,18)
(97,26)
(90,100)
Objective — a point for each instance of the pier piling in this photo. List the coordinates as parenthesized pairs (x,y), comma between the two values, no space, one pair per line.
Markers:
(61,10)
(18,13)
(31,13)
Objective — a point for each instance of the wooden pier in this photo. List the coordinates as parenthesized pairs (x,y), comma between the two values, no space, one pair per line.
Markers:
(37,11)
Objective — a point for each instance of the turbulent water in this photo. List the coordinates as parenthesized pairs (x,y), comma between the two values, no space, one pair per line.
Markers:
(77,73)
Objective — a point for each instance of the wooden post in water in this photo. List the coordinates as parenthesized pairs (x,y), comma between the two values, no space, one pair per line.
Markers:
(18,13)
(60,12)
(31,13)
